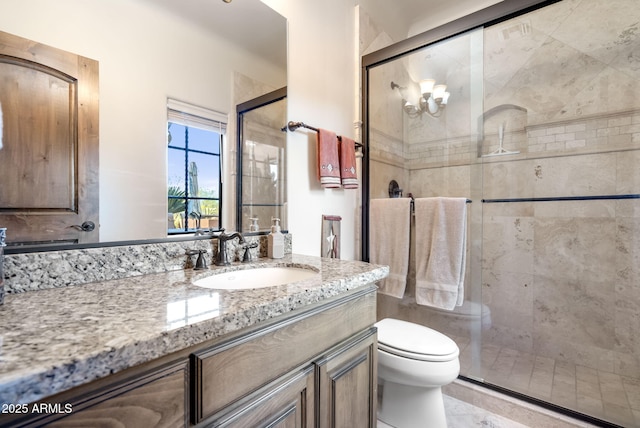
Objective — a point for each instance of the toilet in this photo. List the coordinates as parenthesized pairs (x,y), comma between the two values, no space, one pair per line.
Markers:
(461,321)
(414,363)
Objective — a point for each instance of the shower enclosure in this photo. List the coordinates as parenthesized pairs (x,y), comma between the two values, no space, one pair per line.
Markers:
(539,126)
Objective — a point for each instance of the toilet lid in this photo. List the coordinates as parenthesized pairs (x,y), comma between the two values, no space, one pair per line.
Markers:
(414,341)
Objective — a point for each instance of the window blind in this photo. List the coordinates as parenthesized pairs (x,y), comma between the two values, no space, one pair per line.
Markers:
(194,116)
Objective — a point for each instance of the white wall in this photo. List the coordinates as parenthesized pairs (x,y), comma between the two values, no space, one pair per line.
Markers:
(145,56)
(323,70)
(322,65)
(138,71)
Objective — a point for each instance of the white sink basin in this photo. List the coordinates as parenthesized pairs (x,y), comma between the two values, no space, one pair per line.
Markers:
(255,278)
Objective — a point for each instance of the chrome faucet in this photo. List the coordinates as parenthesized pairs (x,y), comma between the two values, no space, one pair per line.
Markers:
(222,258)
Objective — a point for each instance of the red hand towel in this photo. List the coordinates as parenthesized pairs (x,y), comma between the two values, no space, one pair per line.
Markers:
(328,159)
(348,163)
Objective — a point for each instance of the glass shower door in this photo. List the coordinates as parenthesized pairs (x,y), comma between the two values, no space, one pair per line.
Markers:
(561,227)
(425,137)
(541,131)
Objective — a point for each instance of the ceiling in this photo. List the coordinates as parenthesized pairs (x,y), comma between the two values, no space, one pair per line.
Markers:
(405,18)
(250,24)
(254,26)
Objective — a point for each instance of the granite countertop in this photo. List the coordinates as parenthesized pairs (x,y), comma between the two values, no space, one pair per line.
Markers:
(52,340)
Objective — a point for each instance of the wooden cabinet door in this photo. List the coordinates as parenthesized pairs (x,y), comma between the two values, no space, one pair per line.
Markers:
(49,143)
(157,400)
(348,384)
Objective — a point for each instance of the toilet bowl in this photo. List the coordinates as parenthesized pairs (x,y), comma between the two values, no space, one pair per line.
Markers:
(461,320)
(414,363)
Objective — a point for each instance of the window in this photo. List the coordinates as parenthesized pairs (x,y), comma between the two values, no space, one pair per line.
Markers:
(194,184)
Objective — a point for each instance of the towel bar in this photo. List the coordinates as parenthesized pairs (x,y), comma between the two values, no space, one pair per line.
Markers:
(413,203)
(292,126)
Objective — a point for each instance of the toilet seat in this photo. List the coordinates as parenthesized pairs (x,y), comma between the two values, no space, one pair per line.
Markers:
(417,342)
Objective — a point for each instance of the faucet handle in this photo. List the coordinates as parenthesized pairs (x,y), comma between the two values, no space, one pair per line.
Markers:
(201,263)
(189,263)
(247,254)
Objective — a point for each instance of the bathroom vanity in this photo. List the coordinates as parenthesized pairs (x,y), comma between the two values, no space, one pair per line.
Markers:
(156,350)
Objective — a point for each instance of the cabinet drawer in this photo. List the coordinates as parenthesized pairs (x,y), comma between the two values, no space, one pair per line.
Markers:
(287,402)
(230,371)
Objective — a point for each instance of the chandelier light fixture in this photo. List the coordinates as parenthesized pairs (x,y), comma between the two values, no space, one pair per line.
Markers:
(432,100)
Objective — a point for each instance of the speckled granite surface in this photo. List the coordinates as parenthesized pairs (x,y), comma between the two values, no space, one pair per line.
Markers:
(53,269)
(54,339)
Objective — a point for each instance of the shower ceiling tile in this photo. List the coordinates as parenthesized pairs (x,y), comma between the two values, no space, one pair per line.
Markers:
(503,59)
(554,74)
(537,69)
(628,61)
(605,26)
(610,90)
(548,19)
(440,60)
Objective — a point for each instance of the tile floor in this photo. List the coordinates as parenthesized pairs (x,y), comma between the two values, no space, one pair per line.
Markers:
(465,415)
(600,394)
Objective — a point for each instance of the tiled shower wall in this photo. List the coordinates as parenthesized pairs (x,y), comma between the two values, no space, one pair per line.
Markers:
(561,278)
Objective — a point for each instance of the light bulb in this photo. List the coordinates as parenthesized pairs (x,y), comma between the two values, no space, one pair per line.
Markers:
(439,91)
(426,86)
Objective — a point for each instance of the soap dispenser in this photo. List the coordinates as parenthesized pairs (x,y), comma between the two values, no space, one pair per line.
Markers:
(275,241)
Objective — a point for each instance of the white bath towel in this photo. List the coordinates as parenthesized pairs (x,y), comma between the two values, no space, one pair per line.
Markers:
(389,242)
(441,247)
